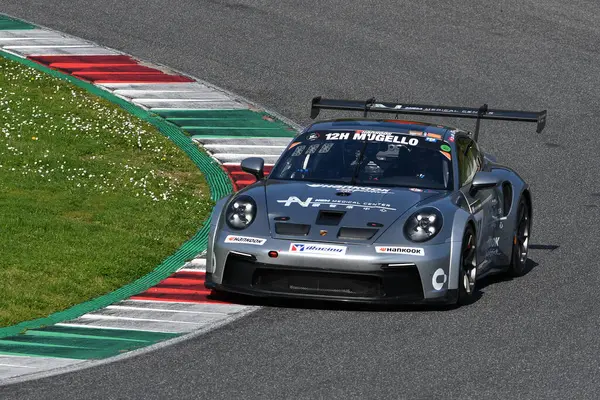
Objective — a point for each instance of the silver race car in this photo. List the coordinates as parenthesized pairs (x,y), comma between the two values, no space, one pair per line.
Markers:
(381,211)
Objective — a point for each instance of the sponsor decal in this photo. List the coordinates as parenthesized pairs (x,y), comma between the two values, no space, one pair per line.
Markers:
(313,136)
(446,148)
(374,136)
(413,251)
(430,139)
(434,135)
(245,240)
(349,188)
(416,190)
(438,279)
(338,135)
(387,137)
(322,232)
(334,203)
(447,155)
(317,248)
(416,133)
(379,105)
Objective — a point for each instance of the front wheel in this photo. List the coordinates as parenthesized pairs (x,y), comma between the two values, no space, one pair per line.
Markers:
(468,268)
(521,240)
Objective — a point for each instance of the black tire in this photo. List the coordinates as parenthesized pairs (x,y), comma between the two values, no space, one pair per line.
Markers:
(468,268)
(518,263)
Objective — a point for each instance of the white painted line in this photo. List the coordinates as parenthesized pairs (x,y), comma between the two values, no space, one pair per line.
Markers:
(59,51)
(150,93)
(197,265)
(223,308)
(199,269)
(16,40)
(199,105)
(90,326)
(114,317)
(16,366)
(241,141)
(49,46)
(145,328)
(116,307)
(28,34)
(243,146)
(19,365)
(161,87)
(146,96)
(58,41)
(234,164)
(237,158)
(257,151)
(215,97)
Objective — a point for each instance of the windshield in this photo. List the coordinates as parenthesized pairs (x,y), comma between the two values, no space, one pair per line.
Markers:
(369,158)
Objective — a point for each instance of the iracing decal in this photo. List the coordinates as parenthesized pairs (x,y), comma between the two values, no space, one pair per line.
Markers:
(245,240)
(317,248)
(438,279)
(413,251)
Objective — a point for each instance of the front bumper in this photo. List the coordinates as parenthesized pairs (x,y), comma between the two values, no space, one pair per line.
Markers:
(357,277)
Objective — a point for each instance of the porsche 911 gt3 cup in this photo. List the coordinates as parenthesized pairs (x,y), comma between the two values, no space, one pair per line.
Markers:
(380,211)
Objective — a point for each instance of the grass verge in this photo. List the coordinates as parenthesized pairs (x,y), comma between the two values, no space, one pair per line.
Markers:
(91,198)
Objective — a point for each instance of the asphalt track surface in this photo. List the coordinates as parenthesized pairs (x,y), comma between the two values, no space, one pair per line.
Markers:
(534,337)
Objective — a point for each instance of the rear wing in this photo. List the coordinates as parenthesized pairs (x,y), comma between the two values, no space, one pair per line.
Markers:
(483,112)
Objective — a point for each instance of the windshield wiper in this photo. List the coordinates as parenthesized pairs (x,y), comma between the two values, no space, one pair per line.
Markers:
(360,159)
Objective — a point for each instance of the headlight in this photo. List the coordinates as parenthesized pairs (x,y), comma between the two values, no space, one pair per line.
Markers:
(423,225)
(240,212)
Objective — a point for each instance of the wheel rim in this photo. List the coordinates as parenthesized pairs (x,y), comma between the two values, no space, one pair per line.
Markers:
(522,236)
(469,265)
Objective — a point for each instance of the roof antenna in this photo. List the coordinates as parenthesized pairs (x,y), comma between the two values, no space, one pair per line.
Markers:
(482,111)
(368,105)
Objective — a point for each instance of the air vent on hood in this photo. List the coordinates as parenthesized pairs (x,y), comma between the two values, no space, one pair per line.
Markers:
(356,233)
(282,228)
(330,217)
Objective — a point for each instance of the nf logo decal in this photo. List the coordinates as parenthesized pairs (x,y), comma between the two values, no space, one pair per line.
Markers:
(294,199)
(245,240)
(317,249)
(413,251)
(348,204)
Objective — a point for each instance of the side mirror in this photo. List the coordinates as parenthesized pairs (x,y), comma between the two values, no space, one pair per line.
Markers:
(483,180)
(254,166)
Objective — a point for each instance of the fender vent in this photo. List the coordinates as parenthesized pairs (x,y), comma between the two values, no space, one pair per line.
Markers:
(356,233)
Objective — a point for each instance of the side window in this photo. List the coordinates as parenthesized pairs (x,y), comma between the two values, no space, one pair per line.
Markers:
(469,160)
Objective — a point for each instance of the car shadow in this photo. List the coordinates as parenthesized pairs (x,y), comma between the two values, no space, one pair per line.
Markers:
(336,305)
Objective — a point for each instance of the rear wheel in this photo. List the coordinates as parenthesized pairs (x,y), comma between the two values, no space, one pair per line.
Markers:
(521,240)
(468,268)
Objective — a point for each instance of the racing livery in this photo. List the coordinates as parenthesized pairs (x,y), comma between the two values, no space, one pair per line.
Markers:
(375,210)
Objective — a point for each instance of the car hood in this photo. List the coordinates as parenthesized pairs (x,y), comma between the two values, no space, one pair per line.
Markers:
(336,213)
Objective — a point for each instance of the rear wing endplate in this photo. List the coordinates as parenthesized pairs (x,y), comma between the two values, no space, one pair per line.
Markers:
(483,112)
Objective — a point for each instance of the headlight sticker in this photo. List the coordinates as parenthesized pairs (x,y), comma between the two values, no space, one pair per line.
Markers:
(438,279)
(413,251)
(245,240)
